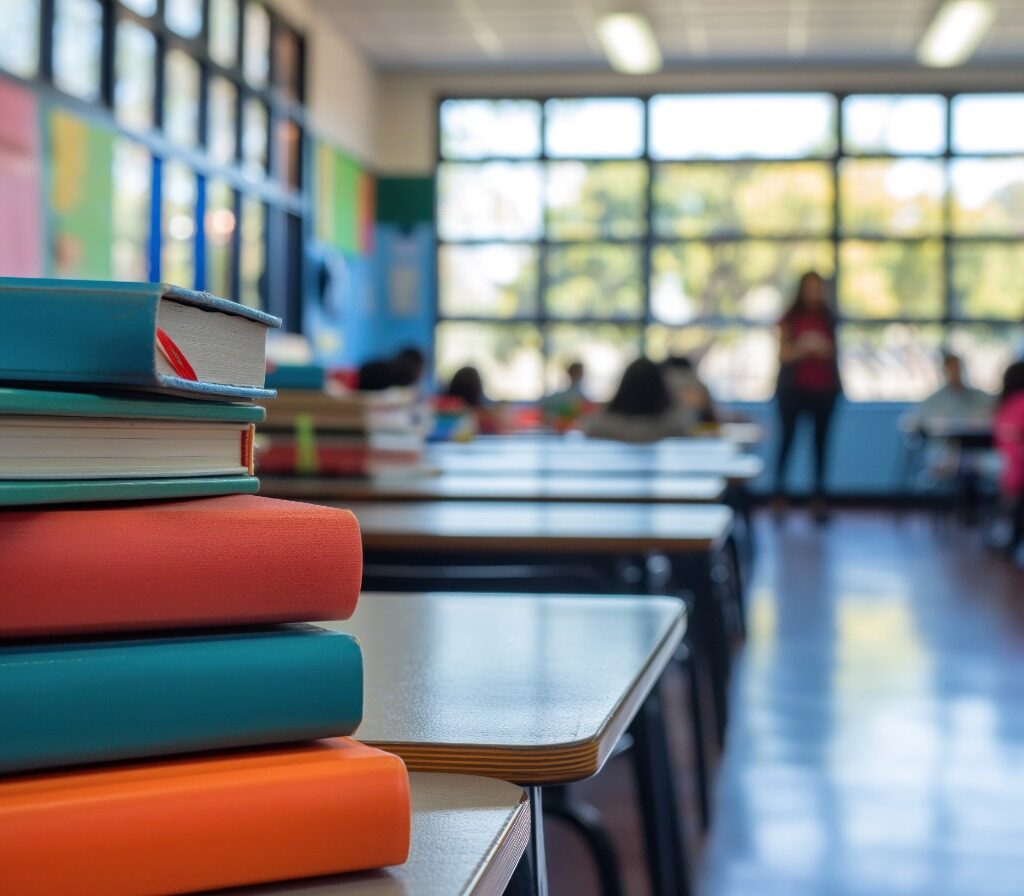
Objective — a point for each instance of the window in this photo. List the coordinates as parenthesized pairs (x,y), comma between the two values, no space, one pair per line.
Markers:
(219,227)
(19,50)
(224,32)
(189,158)
(133,175)
(181,102)
(135,75)
(599,227)
(77,45)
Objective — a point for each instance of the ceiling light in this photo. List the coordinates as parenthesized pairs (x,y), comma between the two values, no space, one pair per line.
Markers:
(955,32)
(629,44)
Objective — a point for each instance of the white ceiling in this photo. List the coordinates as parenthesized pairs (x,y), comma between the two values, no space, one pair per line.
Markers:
(524,34)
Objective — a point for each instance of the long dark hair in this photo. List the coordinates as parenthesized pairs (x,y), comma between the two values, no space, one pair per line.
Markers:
(1013,381)
(799,304)
(467,385)
(642,391)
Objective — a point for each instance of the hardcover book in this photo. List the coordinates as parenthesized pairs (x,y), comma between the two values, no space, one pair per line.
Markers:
(204,822)
(81,435)
(75,702)
(236,560)
(141,335)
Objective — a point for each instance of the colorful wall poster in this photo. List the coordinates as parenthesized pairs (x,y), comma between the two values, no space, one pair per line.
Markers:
(80,190)
(21,217)
(344,199)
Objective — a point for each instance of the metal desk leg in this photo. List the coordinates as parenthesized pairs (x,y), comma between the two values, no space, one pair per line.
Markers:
(666,857)
(535,850)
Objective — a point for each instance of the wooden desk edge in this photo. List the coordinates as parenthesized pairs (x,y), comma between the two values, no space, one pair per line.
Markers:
(496,869)
(561,764)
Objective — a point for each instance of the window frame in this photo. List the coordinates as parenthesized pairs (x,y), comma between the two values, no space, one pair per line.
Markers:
(282,264)
(951,318)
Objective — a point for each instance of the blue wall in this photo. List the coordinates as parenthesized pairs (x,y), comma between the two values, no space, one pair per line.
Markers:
(866,449)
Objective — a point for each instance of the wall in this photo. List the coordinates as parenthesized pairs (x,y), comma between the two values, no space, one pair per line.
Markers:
(341,85)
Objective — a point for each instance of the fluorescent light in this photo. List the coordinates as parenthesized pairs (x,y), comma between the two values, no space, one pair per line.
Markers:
(955,32)
(629,44)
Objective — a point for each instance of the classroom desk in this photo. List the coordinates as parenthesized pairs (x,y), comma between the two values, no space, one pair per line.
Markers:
(607,548)
(737,469)
(742,434)
(468,834)
(542,528)
(536,689)
(620,489)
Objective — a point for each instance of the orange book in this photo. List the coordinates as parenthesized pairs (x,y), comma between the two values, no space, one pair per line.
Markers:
(236,560)
(203,823)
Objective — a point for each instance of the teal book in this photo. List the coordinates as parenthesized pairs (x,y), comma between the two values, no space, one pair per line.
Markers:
(75,436)
(147,336)
(76,702)
(297,376)
(25,492)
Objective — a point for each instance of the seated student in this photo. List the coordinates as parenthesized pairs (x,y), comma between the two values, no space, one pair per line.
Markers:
(410,365)
(642,409)
(376,376)
(1008,432)
(467,388)
(562,409)
(954,400)
(687,390)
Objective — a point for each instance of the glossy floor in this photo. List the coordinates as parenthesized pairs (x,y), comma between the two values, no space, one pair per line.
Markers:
(877,739)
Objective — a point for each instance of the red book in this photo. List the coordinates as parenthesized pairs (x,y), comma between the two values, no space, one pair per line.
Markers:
(237,560)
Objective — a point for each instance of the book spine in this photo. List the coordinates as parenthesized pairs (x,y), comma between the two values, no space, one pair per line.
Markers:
(236,560)
(164,696)
(84,336)
(187,826)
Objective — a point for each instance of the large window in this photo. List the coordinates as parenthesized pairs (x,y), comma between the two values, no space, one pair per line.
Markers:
(599,227)
(205,99)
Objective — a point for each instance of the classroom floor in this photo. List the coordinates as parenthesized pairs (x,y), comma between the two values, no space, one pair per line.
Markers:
(877,740)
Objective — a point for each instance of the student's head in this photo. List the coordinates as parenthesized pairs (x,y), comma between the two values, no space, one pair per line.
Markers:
(410,364)
(1013,381)
(952,369)
(467,385)
(678,363)
(810,296)
(642,391)
(575,371)
(377,375)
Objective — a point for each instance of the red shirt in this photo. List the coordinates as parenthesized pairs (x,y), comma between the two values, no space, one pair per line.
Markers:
(813,373)
(1008,430)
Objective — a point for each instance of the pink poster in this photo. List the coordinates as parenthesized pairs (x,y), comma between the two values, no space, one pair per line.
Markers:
(21,196)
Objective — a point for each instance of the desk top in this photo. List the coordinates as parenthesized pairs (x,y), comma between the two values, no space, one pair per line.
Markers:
(735,467)
(468,833)
(518,526)
(527,487)
(535,689)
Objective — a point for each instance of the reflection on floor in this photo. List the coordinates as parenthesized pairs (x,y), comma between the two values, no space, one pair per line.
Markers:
(877,738)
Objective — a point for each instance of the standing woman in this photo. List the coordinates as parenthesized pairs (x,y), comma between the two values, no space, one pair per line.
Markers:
(808,384)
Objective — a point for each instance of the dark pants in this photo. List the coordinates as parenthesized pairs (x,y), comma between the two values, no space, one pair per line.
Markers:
(816,407)
(1017,518)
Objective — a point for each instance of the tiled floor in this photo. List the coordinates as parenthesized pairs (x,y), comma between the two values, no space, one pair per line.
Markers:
(877,738)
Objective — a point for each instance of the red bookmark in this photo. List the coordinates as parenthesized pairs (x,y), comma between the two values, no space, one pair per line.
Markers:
(174,355)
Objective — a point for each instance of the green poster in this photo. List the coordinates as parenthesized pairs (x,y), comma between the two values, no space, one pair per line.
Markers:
(80,193)
(343,201)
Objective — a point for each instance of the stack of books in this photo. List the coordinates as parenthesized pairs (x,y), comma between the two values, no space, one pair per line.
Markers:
(171,721)
(326,430)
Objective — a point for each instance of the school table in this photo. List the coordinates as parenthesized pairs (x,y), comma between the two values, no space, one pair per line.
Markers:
(468,835)
(526,487)
(534,689)
(576,547)
(737,468)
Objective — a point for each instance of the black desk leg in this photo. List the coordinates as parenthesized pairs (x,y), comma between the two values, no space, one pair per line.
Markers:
(666,855)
